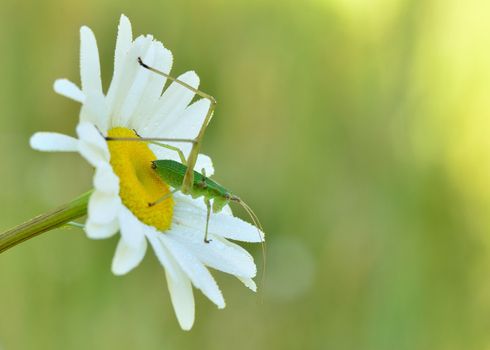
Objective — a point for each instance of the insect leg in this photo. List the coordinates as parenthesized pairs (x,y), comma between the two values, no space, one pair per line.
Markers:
(152,140)
(162,198)
(208,215)
(191,160)
(172,148)
(203,183)
(155,141)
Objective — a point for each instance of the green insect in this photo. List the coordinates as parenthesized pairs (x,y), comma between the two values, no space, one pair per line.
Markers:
(181,176)
(173,173)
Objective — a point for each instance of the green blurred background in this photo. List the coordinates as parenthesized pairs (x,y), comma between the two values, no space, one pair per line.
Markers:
(358,130)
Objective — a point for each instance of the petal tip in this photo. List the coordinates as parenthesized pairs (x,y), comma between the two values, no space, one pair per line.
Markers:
(186,324)
(84,30)
(95,231)
(117,271)
(53,142)
(65,87)
(191,78)
(33,141)
(124,18)
(124,23)
(57,83)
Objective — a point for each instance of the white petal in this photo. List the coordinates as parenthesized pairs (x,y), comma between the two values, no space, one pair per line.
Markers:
(234,228)
(95,110)
(103,208)
(179,284)
(89,62)
(127,257)
(132,230)
(199,275)
(248,282)
(53,142)
(123,43)
(188,125)
(227,210)
(204,162)
(92,145)
(182,298)
(188,205)
(172,104)
(124,95)
(137,89)
(87,132)
(68,89)
(101,231)
(92,154)
(105,180)
(218,253)
(192,213)
(161,252)
(162,61)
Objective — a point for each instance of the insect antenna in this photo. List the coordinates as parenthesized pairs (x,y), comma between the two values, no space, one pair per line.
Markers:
(260,231)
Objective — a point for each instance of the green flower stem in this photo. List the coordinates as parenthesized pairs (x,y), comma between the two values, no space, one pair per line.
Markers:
(45,222)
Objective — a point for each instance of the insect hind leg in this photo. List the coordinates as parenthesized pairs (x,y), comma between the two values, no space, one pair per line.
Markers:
(192,158)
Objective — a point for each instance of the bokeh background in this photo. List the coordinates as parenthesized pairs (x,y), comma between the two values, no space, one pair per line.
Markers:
(358,130)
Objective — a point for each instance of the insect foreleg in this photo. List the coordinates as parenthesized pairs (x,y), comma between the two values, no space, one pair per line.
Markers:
(162,198)
(191,160)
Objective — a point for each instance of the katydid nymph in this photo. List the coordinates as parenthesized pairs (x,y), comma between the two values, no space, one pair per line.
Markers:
(173,173)
(182,176)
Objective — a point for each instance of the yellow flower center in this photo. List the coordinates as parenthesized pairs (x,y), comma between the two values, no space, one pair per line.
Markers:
(138,182)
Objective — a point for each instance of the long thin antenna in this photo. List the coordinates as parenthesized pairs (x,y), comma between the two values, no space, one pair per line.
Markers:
(259,228)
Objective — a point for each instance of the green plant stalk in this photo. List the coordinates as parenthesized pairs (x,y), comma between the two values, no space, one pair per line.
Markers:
(45,222)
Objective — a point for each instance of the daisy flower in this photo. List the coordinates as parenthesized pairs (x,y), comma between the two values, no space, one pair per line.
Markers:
(124,182)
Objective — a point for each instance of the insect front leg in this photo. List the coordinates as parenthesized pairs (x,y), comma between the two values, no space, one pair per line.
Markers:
(162,198)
